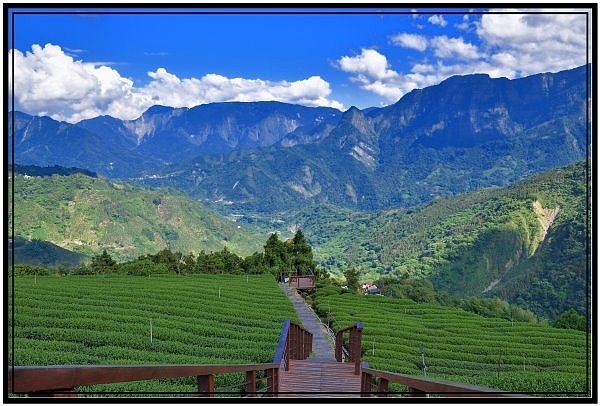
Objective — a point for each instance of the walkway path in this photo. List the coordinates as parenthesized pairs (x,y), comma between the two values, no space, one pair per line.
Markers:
(322,344)
(319,375)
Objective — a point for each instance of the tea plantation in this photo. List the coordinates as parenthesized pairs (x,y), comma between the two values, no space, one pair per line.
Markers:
(463,347)
(117,320)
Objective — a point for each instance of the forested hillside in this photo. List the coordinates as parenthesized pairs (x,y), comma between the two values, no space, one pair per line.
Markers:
(465,133)
(525,243)
(86,214)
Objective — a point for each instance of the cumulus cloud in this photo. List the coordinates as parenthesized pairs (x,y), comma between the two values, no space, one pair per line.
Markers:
(370,63)
(531,43)
(505,45)
(454,48)
(167,89)
(438,20)
(414,41)
(50,82)
(371,70)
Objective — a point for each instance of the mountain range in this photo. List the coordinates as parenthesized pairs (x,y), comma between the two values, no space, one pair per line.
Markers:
(456,182)
(465,133)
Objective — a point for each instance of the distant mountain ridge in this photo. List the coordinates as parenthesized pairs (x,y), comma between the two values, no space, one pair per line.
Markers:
(465,133)
(164,135)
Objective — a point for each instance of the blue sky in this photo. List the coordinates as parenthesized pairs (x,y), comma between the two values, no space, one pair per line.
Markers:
(78,65)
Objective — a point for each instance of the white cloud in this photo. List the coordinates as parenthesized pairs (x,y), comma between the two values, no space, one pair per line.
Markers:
(413,41)
(167,89)
(370,63)
(437,20)
(371,70)
(465,25)
(505,45)
(49,82)
(454,48)
(532,43)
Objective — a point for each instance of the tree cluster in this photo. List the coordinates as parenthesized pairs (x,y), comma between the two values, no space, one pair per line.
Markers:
(293,256)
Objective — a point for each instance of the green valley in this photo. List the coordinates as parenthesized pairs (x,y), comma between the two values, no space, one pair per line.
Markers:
(525,243)
(86,214)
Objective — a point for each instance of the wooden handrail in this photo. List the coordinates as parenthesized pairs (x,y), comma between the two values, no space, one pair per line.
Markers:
(302,281)
(376,382)
(281,351)
(294,343)
(65,378)
(354,345)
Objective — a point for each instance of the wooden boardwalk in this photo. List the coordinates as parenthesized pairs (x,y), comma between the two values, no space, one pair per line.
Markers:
(313,378)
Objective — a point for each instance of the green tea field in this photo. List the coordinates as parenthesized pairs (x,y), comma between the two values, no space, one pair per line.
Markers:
(110,320)
(463,347)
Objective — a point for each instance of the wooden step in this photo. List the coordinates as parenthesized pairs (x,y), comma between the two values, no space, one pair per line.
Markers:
(309,378)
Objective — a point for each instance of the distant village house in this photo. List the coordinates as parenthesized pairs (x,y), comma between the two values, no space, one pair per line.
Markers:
(369,288)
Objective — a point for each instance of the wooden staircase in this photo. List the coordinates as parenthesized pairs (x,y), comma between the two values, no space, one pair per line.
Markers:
(310,378)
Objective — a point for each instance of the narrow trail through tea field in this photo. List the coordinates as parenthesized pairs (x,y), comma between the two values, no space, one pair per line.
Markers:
(320,375)
(322,344)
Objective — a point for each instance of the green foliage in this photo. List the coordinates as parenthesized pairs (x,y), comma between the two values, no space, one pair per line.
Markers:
(352,276)
(199,319)
(30,270)
(33,170)
(85,214)
(461,346)
(301,254)
(294,255)
(103,264)
(485,242)
(570,320)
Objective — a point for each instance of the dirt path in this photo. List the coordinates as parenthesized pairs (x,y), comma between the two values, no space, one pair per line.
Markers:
(322,341)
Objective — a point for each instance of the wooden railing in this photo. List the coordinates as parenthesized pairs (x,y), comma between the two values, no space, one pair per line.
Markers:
(294,343)
(302,282)
(375,382)
(64,380)
(354,350)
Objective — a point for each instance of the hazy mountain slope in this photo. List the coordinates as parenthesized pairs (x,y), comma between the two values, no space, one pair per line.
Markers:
(161,135)
(86,215)
(465,133)
(525,243)
(37,252)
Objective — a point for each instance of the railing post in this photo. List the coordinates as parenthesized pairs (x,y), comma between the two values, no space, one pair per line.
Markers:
(356,346)
(206,385)
(365,384)
(309,346)
(292,341)
(251,382)
(339,341)
(416,393)
(383,387)
(273,380)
